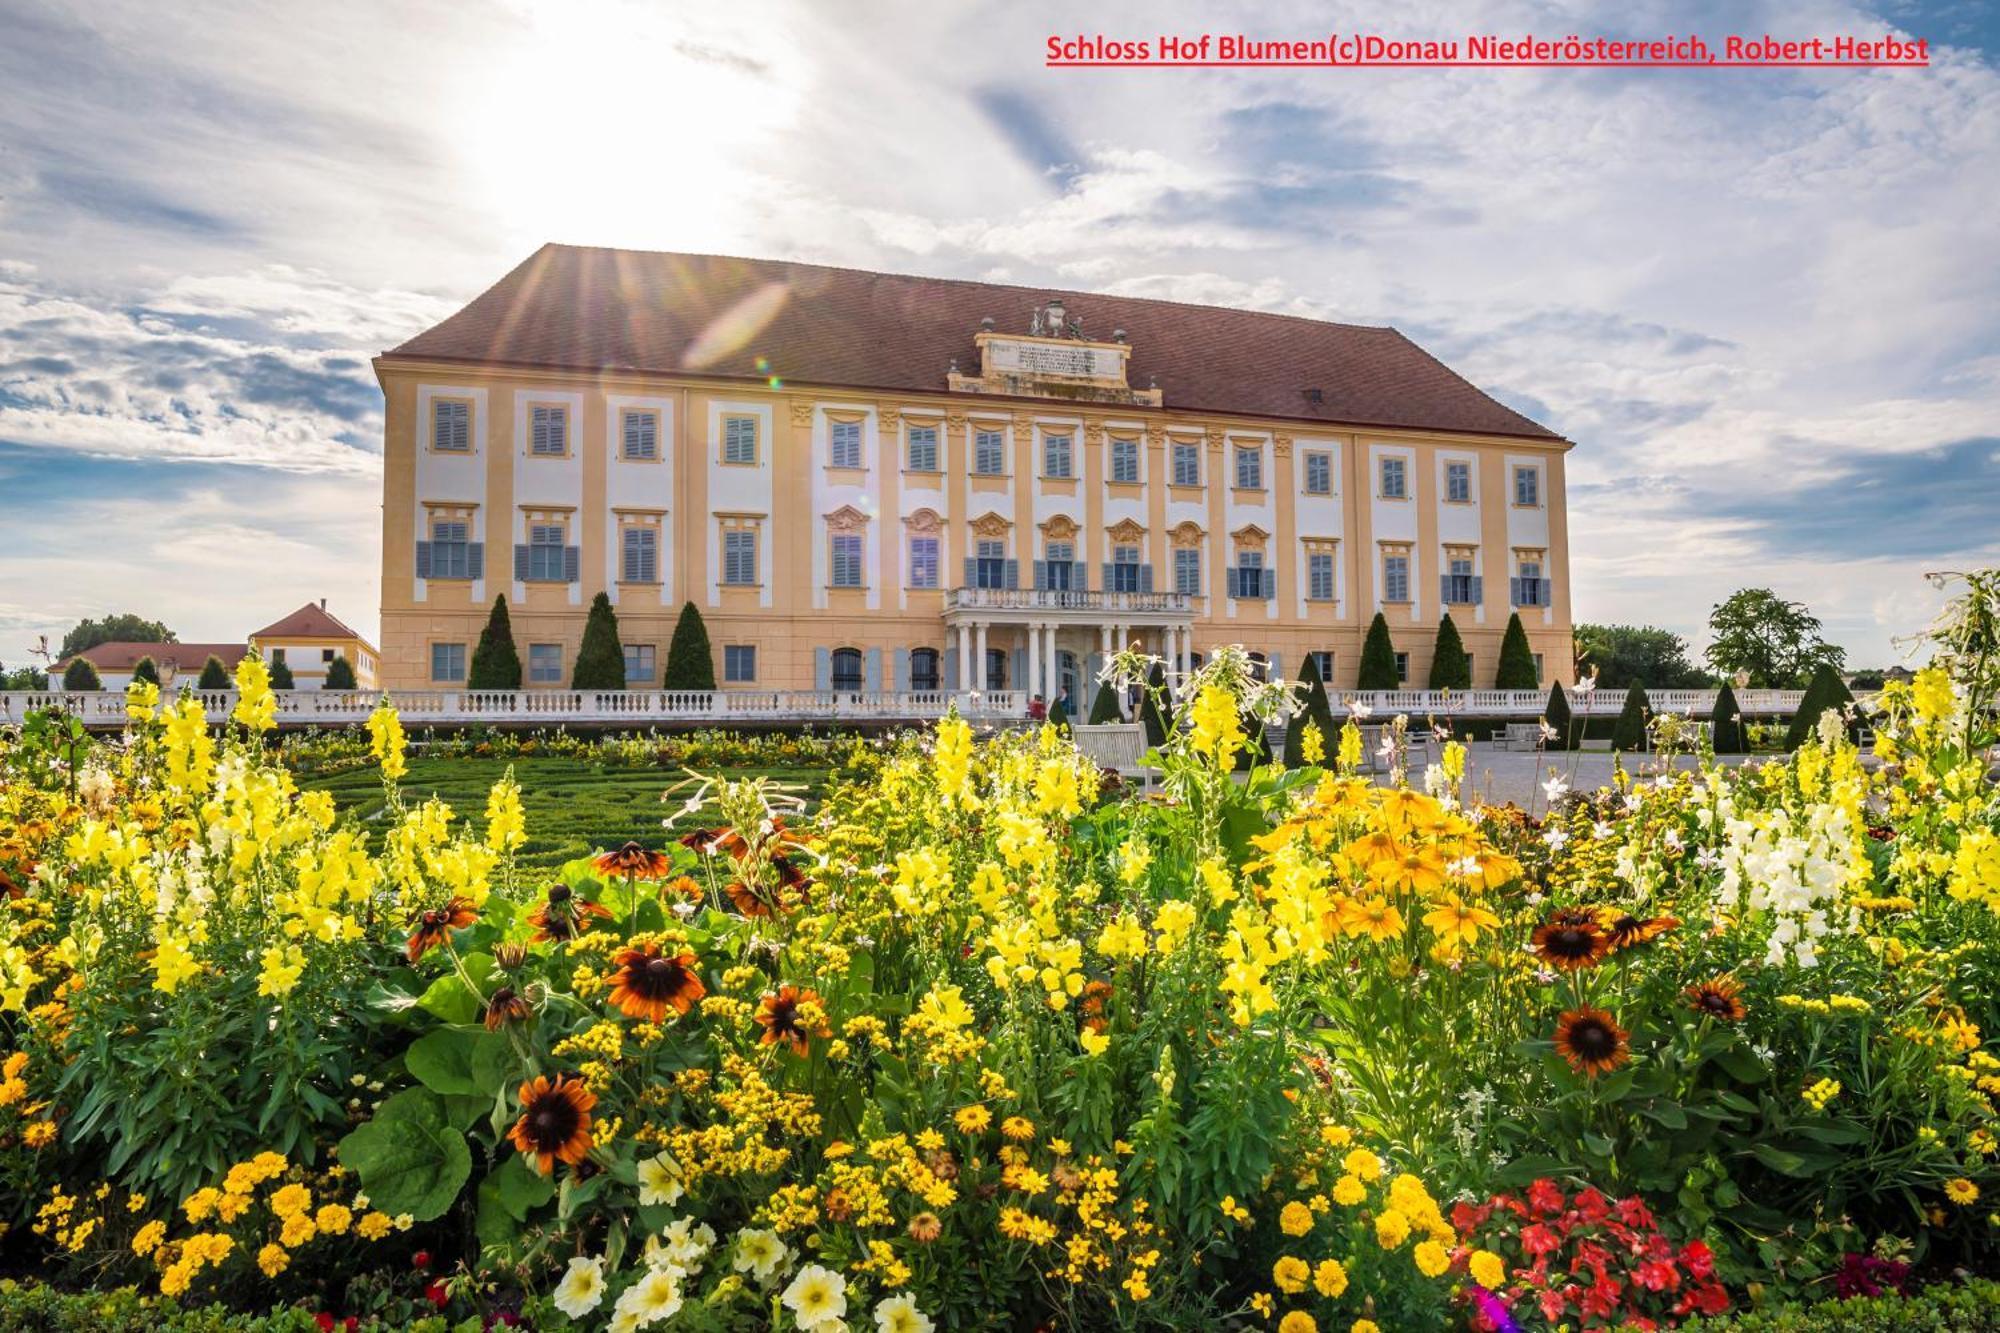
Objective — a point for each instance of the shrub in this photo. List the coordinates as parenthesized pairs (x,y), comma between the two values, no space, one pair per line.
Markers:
(600,661)
(1378,658)
(214,675)
(1450,668)
(496,663)
(1630,733)
(1726,723)
(1972,1308)
(281,674)
(1557,715)
(1104,708)
(340,674)
(147,670)
(690,661)
(1314,711)
(1825,691)
(1059,715)
(1149,706)
(1517,659)
(80,675)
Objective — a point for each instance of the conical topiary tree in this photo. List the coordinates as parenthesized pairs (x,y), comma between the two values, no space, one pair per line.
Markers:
(600,661)
(1726,723)
(147,670)
(1557,715)
(1256,750)
(1825,690)
(1314,711)
(690,661)
(1630,733)
(81,675)
(1378,658)
(214,675)
(1450,668)
(1149,709)
(1104,708)
(1517,659)
(281,674)
(496,662)
(340,674)
(1059,716)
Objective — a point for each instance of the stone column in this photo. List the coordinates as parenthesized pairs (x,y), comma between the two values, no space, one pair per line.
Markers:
(964,657)
(979,657)
(1034,684)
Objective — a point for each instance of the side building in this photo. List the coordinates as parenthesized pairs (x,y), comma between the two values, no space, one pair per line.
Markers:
(871,481)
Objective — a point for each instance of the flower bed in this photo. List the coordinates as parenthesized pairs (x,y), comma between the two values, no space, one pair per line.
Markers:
(983,1044)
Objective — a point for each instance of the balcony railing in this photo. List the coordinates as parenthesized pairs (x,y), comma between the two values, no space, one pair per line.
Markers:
(1065,599)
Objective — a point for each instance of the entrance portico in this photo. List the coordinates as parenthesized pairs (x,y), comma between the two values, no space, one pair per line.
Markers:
(1048,625)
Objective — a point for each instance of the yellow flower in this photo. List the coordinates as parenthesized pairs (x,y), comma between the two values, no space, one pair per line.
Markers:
(273,1259)
(1297,1321)
(1961,1191)
(1018,1128)
(291,1200)
(298,1229)
(148,1238)
(1123,938)
(1365,1326)
(1363,1164)
(200,1205)
(172,964)
(1455,919)
(1487,1269)
(1217,731)
(333,1219)
(1330,1277)
(283,965)
(385,741)
(1431,1259)
(1348,1191)
(506,825)
(1295,1219)
(1290,1275)
(973,1119)
(256,706)
(946,1009)
(1391,1228)
(373,1226)
(1093,1041)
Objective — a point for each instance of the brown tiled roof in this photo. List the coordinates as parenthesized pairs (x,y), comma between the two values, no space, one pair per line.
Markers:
(124,654)
(311,621)
(582,308)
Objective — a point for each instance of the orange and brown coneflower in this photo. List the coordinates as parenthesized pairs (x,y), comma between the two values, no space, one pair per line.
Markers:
(1720,999)
(555,1121)
(793,1017)
(1571,940)
(434,927)
(1623,930)
(505,1005)
(634,862)
(564,916)
(646,981)
(1592,1041)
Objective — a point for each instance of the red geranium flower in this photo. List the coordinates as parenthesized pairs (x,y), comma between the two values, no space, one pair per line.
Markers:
(1545,1196)
(1537,1239)
(1659,1275)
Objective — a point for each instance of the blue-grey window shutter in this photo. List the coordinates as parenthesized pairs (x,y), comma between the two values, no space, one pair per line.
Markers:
(1270,583)
(1017,674)
(1145,578)
(872,680)
(971,571)
(1109,584)
(475,560)
(572,563)
(949,681)
(1012,577)
(1093,664)
(1444,589)
(1079,576)
(1041,575)
(520,564)
(822,669)
(1478,588)
(900,680)
(1277,666)
(1514,587)
(423,560)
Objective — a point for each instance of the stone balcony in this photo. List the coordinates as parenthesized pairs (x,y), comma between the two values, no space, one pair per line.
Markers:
(1003,606)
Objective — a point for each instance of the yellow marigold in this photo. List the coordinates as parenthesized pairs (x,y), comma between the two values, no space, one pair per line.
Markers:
(1430,1258)
(1298,1321)
(1487,1269)
(1363,1164)
(1349,1191)
(1365,1326)
(291,1200)
(1290,1275)
(200,1205)
(1295,1219)
(1330,1277)
(273,1259)
(148,1238)
(1391,1228)
(298,1229)
(333,1219)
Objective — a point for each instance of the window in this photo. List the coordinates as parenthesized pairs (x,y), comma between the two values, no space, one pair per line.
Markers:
(923,562)
(638,664)
(989,453)
(1461,585)
(846,669)
(739,663)
(1124,460)
(1056,456)
(846,559)
(846,444)
(1396,577)
(1056,565)
(277,656)
(545,663)
(923,668)
(1528,486)
(1538,669)
(546,554)
(548,431)
(1319,576)
(1402,668)
(1251,580)
(739,556)
(1187,571)
(1187,463)
(641,556)
(1249,468)
(448,662)
(641,434)
(451,425)
(1127,574)
(325,656)
(923,449)
(1458,483)
(1395,480)
(996,668)
(989,566)
(1323,663)
(1530,588)
(451,553)
(739,440)
(1319,472)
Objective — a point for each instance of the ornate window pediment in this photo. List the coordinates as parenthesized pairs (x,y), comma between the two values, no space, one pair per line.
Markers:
(846,519)
(1187,534)
(1059,526)
(991,526)
(923,520)
(1250,537)
(1125,532)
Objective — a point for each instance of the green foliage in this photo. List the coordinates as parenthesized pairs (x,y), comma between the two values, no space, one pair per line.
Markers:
(1972,1308)
(80,675)
(1316,711)
(1378,658)
(1104,708)
(1450,668)
(1726,723)
(340,674)
(214,675)
(281,675)
(690,661)
(409,1158)
(23,678)
(1630,733)
(1558,716)
(1149,706)
(600,662)
(1517,659)
(146,669)
(1776,642)
(1624,655)
(1059,716)
(1825,691)
(124,627)
(496,663)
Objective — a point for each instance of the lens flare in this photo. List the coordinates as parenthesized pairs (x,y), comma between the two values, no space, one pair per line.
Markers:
(735,328)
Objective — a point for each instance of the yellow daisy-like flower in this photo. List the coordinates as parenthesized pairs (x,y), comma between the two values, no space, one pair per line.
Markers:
(273,1259)
(1363,1164)
(1431,1259)
(1349,1191)
(1295,1220)
(1330,1277)
(973,1119)
(1298,1321)
(1961,1191)
(1290,1275)
(1018,1128)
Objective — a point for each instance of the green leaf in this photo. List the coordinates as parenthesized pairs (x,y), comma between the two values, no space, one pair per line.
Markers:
(409,1159)
(1778,1159)
(450,1000)
(444,1059)
(520,1187)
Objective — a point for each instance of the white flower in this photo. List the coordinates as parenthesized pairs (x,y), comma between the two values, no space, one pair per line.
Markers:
(1359,711)
(660,1180)
(1555,788)
(816,1297)
(654,1297)
(1556,838)
(899,1314)
(758,1253)
(1585,684)
(582,1287)
(1601,830)
(686,1242)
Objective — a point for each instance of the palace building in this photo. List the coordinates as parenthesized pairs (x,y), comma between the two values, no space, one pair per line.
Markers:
(870,481)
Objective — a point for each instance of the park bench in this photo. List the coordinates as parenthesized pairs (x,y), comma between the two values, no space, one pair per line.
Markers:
(1116,746)
(1522,736)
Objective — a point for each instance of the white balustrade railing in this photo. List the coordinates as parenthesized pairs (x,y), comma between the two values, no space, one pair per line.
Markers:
(106,708)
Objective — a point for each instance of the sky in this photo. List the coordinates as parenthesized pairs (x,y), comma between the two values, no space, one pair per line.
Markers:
(1765,305)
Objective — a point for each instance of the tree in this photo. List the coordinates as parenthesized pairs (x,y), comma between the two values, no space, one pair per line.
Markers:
(1557,715)
(1104,708)
(281,674)
(81,675)
(1825,691)
(1776,642)
(214,675)
(600,661)
(1625,655)
(340,674)
(1450,668)
(1378,658)
(1315,712)
(1059,716)
(124,627)
(1256,751)
(1517,659)
(23,678)
(146,669)
(690,661)
(1726,723)
(1149,708)
(496,663)
(1630,733)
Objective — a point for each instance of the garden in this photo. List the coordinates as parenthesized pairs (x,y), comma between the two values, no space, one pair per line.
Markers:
(954,1031)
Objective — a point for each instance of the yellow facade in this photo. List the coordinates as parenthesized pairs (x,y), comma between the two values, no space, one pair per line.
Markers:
(310,657)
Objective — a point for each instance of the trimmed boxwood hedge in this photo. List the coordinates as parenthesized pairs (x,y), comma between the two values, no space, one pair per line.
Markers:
(1972,1308)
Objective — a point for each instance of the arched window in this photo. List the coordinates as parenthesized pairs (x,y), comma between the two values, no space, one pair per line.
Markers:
(847,668)
(923,668)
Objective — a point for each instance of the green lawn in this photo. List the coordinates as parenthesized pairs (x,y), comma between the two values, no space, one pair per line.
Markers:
(573,806)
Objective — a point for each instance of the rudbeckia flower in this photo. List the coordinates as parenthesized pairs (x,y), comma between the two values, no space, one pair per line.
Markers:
(564,915)
(1718,999)
(792,1016)
(435,926)
(555,1121)
(634,862)
(1624,930)
(647,982)
(1571,940)
(1592,1041)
